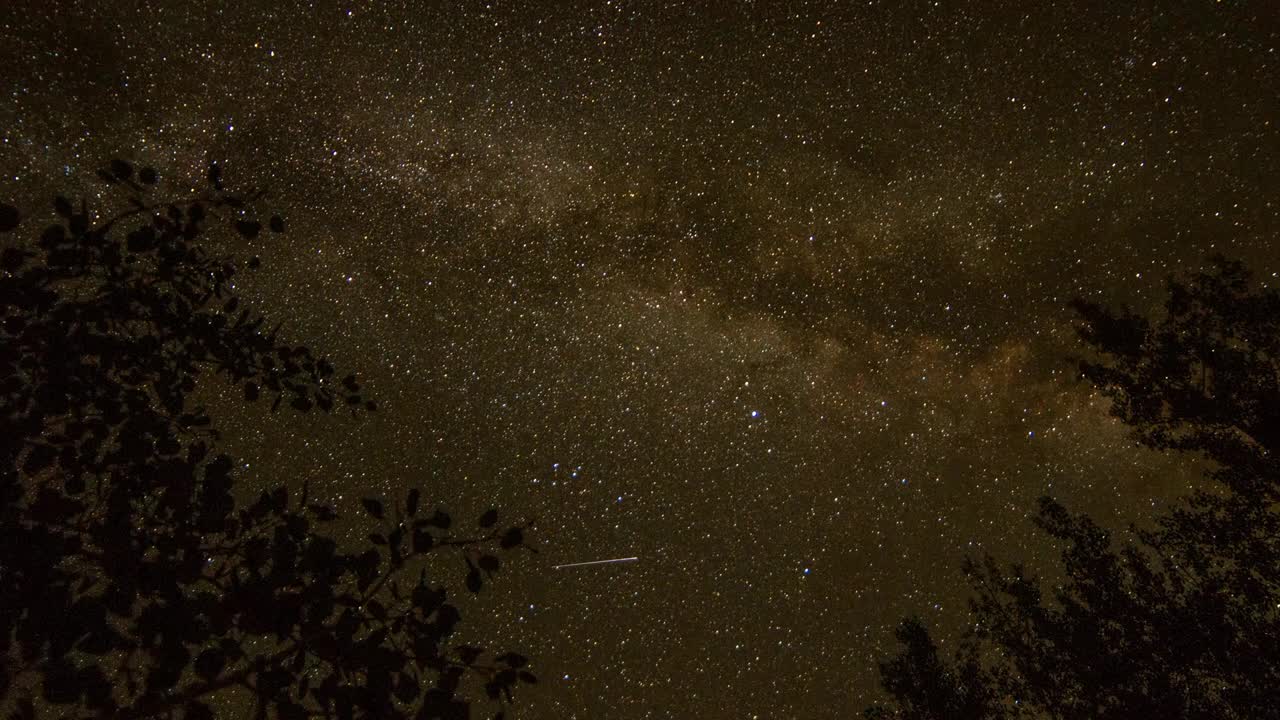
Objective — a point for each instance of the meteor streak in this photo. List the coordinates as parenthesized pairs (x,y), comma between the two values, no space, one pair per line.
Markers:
(596,562)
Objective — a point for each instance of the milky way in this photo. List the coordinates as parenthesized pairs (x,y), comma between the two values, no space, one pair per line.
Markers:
(770,294)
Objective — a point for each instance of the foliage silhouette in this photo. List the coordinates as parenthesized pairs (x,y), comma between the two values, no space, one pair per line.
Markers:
(132,585)
(1182,621)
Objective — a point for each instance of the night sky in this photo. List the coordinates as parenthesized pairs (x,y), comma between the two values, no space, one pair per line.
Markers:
(770,295)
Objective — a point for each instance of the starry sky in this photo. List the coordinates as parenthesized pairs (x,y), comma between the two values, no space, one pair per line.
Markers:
(771,295)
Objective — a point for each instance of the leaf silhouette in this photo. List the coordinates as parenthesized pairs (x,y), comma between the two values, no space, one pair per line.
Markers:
(121,170)
(373,507)
(512,538)
(9,217)
(248,228)
(423,541)
(514,660)
(469,654)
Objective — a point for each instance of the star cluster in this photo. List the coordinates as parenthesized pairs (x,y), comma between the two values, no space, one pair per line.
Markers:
(771,295)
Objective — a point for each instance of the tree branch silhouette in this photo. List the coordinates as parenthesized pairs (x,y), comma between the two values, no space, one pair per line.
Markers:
(1179,621)
(132,582)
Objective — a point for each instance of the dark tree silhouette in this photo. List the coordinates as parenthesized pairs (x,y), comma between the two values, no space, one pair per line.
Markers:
(132,585)
(1182,621)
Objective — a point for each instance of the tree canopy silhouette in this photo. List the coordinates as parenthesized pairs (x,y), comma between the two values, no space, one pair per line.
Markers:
(132,582)
(1182,621)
